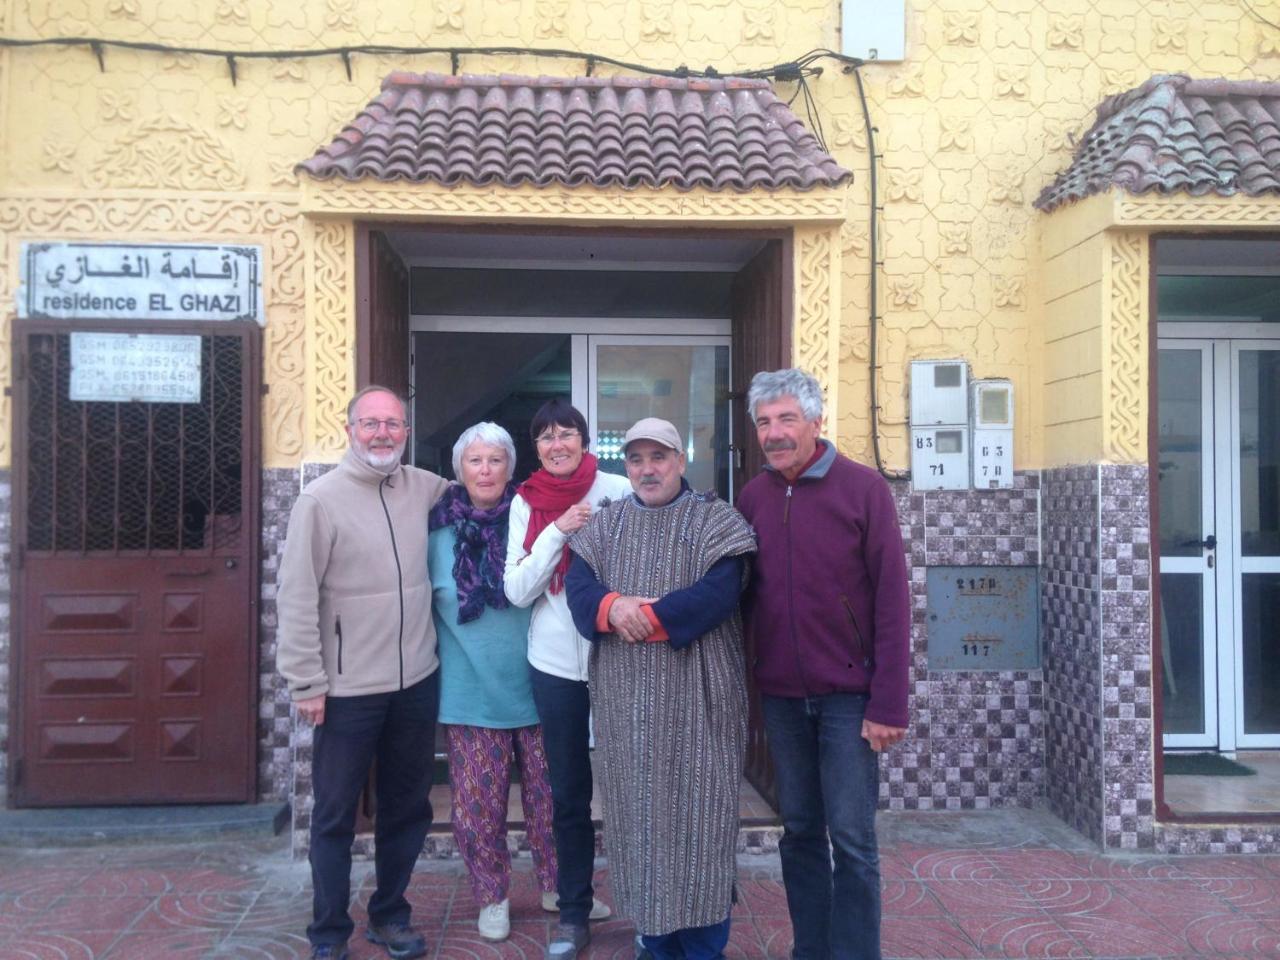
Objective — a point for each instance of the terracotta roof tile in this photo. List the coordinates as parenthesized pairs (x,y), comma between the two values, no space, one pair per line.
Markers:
(624,131)
(1178,134)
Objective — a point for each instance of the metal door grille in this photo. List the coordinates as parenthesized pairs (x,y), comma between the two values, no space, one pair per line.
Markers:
(133,477)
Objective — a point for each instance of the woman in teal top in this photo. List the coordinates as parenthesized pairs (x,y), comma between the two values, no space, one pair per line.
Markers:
(485,700)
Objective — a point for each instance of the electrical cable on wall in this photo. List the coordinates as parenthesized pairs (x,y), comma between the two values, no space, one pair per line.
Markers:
(797,71)
(873,320)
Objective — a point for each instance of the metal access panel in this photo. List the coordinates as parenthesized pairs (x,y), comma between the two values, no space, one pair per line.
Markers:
(984,618)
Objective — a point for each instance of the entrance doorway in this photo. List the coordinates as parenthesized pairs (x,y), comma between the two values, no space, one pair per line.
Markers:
(136,531)
(1217,474)
(626,323)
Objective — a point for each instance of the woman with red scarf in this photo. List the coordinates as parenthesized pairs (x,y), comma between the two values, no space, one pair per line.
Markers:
(553,503)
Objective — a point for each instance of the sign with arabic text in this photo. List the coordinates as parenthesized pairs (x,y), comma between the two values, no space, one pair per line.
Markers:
(127,367)
(141,281)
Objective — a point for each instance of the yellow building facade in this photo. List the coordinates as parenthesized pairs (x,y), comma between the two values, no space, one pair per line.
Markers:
(160,143)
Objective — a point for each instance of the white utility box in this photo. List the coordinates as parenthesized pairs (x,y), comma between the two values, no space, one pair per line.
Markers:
(874,29)
(992,408)
(940,457)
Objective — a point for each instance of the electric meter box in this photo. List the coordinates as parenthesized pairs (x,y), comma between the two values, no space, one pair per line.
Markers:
(939,393)
(940,458)
(992,411)
(940,455)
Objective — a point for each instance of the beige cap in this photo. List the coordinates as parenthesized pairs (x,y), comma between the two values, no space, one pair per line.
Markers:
(659,431)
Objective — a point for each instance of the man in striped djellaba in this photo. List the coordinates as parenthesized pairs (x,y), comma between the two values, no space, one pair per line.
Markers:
(654,584)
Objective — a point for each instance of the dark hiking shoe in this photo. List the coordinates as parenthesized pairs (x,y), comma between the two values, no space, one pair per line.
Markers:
(567,941)
(400,940)
(330,951)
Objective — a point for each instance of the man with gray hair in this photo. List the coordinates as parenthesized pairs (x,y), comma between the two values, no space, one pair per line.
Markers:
(829,615)
(358,649)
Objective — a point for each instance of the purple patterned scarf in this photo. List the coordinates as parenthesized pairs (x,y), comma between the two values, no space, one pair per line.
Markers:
(479,550)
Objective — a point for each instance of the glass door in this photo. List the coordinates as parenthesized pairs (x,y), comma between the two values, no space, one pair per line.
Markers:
(1188,546)
(683,379)
(1255,408)
(1219,503)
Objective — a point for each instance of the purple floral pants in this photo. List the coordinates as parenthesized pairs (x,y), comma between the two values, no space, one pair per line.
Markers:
(480,775)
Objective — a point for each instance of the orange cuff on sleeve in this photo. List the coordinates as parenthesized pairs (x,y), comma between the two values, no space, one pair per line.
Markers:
(602,612)
(659,631)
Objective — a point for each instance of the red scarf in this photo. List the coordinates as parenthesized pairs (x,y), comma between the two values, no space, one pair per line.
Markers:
(548,498)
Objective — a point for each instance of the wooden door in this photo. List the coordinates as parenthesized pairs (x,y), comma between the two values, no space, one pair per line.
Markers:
(382,348)
(761,341)
(136,528)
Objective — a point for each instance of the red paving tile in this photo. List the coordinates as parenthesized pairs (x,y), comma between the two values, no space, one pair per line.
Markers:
(939,903)
(1233,933)
(1020,936)
(1075,896)
(1247,896)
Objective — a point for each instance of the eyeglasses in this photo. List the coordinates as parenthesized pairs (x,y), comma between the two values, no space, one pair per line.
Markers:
(371,424)
(564,436)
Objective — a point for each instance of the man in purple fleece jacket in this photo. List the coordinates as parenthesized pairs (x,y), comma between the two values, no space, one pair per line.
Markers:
(829,615)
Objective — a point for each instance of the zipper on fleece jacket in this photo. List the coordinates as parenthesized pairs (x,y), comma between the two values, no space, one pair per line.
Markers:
(382,485)
(337,628)
(791,601)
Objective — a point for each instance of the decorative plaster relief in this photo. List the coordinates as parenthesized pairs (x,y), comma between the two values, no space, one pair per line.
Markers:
(908,84)
(757,25)
(57,156)
(276,224)
(1169,36)
(1007,292)
(1065,33)
(961,29)
(955,239)
(552,203)
(904,292)
(956,134)
(655,21)
(817,332)
(551,16)
(1195,211)
(162,152)
(903,186)
(1011,83)
(332,331)
(449,14)
(1127,354)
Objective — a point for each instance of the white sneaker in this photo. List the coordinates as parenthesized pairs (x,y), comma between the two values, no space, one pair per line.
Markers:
(495,921)
(599,909)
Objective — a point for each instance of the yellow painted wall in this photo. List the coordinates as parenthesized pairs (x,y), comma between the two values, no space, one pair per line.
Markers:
(972,125)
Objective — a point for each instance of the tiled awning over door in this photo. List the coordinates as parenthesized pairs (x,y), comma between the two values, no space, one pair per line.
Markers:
(625,132)
(1176,134)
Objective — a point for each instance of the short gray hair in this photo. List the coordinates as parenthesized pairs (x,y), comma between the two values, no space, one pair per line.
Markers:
(768,386)
(374,388)
(484,432)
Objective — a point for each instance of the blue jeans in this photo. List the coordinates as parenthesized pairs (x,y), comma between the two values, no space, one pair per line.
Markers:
(564,710)
(398,729)
(691,943)
(827,790)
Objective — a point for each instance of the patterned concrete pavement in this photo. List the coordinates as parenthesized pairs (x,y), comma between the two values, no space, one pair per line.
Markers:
(999,884)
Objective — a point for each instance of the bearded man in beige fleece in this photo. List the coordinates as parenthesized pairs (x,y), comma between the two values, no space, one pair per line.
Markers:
(358,649)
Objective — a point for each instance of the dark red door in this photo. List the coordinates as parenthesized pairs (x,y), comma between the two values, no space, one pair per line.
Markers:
(136,527)
(761,341)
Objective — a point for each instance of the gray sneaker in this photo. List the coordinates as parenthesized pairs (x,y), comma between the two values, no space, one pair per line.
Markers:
(567,941)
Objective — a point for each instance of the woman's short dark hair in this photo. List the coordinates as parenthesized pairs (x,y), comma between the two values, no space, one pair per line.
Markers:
(558,412)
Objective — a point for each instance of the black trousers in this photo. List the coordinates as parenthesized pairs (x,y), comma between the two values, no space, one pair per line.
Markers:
(564,710)
(398,730)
